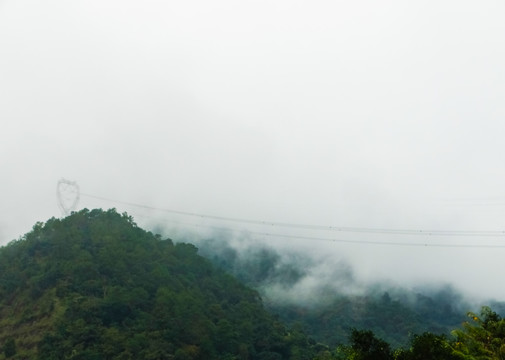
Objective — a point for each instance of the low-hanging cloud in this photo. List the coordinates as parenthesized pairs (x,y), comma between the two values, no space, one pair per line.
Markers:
(370,115)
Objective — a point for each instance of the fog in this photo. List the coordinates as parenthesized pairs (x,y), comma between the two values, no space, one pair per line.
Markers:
(367,115)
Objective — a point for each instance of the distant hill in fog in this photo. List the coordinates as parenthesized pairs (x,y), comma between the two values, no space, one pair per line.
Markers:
(94,285)
(329,304)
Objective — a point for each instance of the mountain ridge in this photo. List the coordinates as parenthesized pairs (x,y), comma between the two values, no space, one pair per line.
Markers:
(329,308)
(94,285)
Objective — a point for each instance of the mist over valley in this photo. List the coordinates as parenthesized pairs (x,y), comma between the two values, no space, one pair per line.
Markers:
(342,162)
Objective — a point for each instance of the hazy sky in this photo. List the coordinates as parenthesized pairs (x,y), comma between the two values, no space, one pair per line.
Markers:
(376,114)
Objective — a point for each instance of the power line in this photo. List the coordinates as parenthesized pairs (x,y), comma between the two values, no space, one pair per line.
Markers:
(347,241)
(391,243)
(471,233)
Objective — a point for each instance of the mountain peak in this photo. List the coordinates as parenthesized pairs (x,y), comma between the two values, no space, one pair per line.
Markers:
(94,285)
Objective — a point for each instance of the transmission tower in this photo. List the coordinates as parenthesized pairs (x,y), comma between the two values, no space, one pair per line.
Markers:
(67,193)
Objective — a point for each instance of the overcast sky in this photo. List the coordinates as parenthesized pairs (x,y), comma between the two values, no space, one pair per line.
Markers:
(370,114)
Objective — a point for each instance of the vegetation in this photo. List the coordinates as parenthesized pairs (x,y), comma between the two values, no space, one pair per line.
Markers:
(96,286)
(392,314)
(482,339)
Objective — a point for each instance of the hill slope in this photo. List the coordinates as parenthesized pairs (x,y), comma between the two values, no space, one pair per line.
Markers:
(326,310)
(96,286)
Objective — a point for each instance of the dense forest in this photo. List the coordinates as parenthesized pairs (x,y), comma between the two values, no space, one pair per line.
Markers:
(94,285)
(392,313)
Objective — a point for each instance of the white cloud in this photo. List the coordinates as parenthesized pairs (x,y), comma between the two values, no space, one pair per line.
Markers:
(355,114)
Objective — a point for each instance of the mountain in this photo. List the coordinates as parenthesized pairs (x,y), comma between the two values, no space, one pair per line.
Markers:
(393,320)
(94,285)
(326,301)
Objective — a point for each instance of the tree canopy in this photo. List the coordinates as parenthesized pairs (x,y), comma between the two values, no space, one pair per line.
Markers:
(94,285)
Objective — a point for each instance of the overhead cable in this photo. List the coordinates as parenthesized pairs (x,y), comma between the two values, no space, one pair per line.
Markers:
(479,233)
(338,240)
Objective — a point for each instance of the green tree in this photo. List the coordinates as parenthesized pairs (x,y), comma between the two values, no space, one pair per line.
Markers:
(428,346)
(364,345)
(9,348)
(483,337)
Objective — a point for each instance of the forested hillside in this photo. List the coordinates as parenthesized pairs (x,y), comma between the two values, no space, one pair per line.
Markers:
(96,286)
(331,311)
